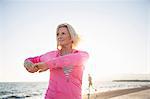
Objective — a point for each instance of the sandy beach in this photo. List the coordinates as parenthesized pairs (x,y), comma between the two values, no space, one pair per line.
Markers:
(132,93)
(137,95)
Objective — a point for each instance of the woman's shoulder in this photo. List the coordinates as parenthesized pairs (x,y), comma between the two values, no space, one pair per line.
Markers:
(79,51)
(54,52)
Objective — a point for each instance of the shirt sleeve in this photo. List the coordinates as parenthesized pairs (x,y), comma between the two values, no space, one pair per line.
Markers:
(41,58)
(73,59)
(34,59)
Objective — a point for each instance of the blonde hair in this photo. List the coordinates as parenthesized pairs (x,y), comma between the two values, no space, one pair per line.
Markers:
(74,36)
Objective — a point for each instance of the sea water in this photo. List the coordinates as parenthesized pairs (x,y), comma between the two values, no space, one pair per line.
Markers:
(36,90)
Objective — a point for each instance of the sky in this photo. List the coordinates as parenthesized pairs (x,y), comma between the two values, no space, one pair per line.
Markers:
(116,34)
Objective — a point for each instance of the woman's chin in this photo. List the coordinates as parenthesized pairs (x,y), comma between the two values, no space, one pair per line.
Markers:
(61,44)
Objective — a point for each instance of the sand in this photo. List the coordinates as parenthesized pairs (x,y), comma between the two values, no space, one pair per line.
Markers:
(138,95)
(132,93)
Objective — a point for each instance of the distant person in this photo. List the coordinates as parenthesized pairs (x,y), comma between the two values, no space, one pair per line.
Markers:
(91,85)
(65,65)
(90,80)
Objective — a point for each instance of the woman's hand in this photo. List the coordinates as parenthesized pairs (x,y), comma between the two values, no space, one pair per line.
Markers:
(29,67)
(41,66)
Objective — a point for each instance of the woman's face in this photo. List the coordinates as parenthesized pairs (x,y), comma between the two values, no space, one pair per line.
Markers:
(63,36)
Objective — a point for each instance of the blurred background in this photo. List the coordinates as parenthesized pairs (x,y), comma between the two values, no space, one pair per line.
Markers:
(116,33)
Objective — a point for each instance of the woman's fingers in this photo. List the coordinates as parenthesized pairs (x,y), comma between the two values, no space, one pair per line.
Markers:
(27,64)
(41,66)
(41,70)
(31,68)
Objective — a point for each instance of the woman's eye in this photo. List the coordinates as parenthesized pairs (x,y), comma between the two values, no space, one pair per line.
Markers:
(57,34)
(63,33)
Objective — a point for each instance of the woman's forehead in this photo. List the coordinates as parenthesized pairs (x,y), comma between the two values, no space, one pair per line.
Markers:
(62,29)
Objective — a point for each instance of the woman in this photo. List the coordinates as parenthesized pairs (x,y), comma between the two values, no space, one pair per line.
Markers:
(65,65)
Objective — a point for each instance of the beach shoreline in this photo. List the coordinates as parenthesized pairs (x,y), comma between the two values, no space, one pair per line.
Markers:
(120,93)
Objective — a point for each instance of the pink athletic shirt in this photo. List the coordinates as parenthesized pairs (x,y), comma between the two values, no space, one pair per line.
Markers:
(65,73)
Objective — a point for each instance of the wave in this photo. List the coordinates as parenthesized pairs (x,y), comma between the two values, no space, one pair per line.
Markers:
(5,92)
(16,97)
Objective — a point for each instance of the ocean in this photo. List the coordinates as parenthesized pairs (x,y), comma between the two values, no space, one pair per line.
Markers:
(36,90)
(22,90)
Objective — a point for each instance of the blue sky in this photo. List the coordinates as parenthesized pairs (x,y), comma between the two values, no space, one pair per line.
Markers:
(115,33)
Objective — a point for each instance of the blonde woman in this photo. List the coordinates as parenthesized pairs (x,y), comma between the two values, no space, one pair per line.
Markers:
(65,65)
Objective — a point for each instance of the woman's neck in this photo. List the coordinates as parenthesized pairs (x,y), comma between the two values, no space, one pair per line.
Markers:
(66,49)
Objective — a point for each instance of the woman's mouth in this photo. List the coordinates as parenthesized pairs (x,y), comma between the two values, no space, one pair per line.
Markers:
(60,40)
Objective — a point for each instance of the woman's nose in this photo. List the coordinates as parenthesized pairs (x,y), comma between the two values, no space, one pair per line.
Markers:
(59,37)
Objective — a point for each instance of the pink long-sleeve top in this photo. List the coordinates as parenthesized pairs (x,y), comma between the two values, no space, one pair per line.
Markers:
(65,73)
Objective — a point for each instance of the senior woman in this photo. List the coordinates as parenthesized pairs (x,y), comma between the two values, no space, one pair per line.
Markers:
(65,64)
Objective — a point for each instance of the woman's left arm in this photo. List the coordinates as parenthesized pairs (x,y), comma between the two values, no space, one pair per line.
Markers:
(74,59)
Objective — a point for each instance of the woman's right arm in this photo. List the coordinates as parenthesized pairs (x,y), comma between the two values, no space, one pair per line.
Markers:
(37,63)
(29,64)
